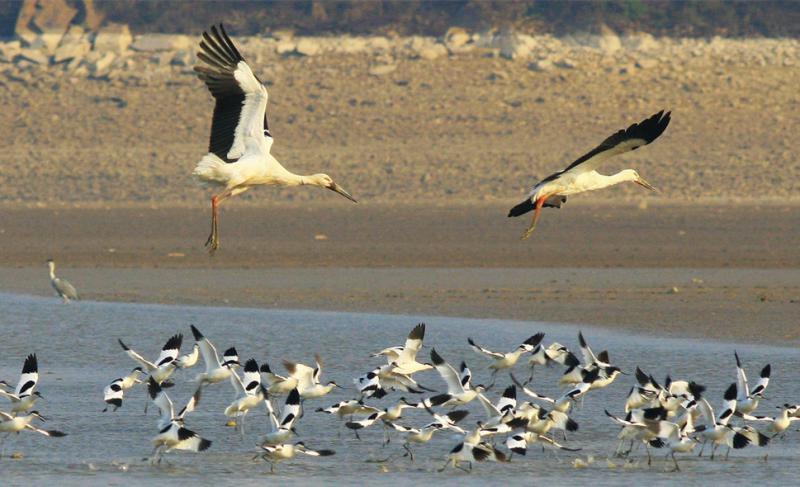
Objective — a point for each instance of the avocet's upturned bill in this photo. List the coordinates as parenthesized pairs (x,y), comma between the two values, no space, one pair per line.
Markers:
(582,174)
(239,148)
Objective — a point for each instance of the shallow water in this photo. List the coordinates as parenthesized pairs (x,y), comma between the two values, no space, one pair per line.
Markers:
(78,355)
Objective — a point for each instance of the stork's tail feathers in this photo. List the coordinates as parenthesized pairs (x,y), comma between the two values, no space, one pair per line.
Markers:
(552,202)
(211,169)
(521,208)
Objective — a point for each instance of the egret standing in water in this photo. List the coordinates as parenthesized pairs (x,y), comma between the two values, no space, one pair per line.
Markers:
(239,148)
(63,288)
(582,174)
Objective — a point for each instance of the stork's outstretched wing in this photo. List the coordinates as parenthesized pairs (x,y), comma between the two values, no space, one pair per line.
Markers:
(626,140)
(240,121)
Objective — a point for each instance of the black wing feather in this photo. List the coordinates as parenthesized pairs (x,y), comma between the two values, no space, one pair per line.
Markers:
(647,130)
(221,57)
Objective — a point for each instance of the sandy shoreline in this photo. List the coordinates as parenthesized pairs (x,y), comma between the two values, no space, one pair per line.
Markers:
(735,270)
(421,235)
(743,305)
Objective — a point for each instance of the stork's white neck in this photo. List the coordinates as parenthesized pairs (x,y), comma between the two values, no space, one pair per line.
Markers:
(52,266)
(291,179)
(600,181)
(621,177)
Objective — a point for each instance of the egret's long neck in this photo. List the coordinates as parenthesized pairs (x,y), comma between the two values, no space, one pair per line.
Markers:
(52,271)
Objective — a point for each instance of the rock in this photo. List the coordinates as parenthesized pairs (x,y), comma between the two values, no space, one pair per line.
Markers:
(283,34)
(432,52)
(566,63)
(46,41)
(609,41)
(308,46)
(641,41)
(183,58)
(43,23)
(512,45)
(456,38)
(71,50)
(382,69)
(542,65)
(9,50)
(351,45)
(81,72)
(113,38)
(646,63)
(377,44)
(162,58)
(285,47)
(161,42)
(626,69)
(73,34)
(33,55)
(100,67)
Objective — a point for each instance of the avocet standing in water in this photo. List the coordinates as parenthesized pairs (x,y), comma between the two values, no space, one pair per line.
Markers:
(582,174)
(239,148)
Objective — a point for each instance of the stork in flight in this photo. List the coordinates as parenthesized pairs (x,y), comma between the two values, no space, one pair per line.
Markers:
(239,148)
(582,174)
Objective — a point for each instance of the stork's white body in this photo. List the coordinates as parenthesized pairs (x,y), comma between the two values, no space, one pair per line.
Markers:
(239,155)
(582,175)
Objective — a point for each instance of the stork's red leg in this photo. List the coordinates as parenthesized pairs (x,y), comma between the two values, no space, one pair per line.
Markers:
(213,241)
(536,212)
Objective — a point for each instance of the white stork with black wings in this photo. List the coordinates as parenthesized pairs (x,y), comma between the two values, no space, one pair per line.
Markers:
(239,147)
(582,174)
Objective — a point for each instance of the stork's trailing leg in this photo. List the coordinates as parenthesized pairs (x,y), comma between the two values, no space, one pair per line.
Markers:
(536,212)
(213,239)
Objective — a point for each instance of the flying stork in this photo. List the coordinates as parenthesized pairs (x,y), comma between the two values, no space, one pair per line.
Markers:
(582,174)
(239,147)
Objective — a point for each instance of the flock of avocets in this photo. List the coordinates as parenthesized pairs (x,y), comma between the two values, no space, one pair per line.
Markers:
(673,415)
